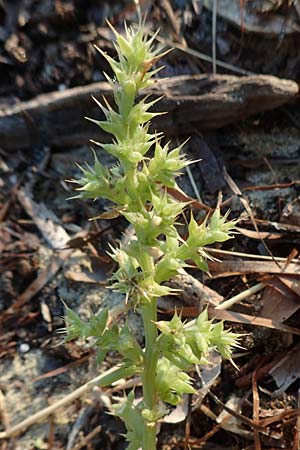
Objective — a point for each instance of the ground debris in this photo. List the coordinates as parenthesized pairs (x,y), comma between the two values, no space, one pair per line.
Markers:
(51,251)
(257,17)
(202,101)
(286,371)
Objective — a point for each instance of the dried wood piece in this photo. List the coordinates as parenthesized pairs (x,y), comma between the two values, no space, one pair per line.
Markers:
(86,439)
(193,292)
(201,101)
(45,220)
(233,267)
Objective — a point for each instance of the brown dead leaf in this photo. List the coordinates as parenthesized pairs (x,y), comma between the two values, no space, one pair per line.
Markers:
(286,414)
(281,297)
(232,422)
(108,215)
(252,234)
(287,370)
(256,409)
(180,413)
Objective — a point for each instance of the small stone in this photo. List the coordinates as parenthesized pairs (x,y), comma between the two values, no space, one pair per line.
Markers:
(24,348)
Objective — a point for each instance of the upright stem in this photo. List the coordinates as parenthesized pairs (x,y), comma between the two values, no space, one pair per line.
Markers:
(131,185)
(149,315)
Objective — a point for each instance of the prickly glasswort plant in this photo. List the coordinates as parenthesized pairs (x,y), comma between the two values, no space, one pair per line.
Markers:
(137,186)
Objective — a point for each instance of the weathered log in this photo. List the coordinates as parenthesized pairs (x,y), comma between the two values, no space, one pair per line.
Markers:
(203,102)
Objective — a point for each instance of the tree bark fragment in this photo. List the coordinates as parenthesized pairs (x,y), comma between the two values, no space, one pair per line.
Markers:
(202,102)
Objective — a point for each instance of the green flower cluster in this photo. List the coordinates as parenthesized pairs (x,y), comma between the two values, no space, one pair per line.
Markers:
(187,344)
(138,187)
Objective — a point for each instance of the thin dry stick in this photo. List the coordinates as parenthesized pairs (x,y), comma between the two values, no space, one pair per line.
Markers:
(46,412)
(253,290)
(236,190)
(193,184)
(248,255)
(87,438)
(239,297)
(214,35)
(201,55)
(172,17)
(255,394)
(51,433)
(77,426)
(192,180)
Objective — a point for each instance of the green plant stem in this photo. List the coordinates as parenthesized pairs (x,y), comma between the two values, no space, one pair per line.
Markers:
(131,184)
(149,315)
(149,437)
